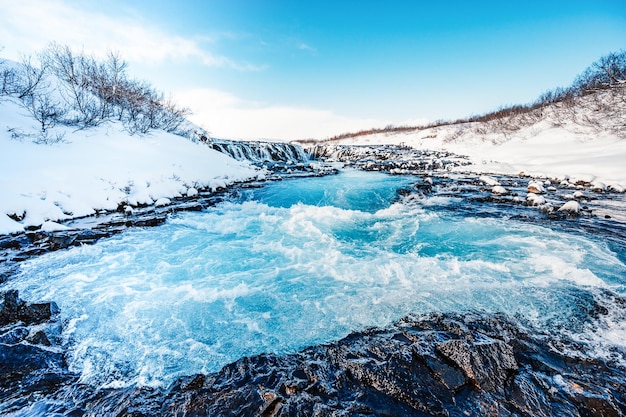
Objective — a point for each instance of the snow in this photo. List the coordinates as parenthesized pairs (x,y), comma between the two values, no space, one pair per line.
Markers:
(97,169)
(498,189)
(100,168)
(8,225)
(536,187)
(570,207)
(616,188)
(535,199)
(553,146)
(49,226)
(163,201)
(489,180)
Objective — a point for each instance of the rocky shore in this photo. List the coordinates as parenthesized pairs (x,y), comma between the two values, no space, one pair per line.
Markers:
(472,364)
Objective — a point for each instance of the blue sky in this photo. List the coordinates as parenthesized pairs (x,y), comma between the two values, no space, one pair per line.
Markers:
(291,69)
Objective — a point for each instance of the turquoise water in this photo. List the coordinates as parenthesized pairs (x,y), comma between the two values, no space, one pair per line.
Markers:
(307,261)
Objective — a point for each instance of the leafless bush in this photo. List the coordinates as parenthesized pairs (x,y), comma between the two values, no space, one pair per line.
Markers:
(74,89)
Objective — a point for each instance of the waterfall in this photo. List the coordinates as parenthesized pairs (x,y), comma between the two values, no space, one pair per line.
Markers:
(261,152)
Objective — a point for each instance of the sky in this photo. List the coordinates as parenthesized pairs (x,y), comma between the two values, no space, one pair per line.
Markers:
(263,69)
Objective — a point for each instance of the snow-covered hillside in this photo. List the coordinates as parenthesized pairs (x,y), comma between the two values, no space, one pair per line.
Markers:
(97,169)
(583,140)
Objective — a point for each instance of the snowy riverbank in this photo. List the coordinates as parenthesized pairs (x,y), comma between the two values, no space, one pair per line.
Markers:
(583,139)
(97,169)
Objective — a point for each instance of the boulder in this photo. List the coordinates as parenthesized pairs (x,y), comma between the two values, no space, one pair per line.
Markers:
(536,188)
(15,310)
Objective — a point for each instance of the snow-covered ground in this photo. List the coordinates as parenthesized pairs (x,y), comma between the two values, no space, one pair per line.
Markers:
(554,146)
(97,169)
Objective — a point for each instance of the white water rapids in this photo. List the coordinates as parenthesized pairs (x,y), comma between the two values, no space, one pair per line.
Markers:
(307,261)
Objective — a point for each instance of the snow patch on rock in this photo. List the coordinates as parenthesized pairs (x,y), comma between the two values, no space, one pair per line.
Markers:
(489,180)
(536,188)
(535,199)
(498,189)
(572,207)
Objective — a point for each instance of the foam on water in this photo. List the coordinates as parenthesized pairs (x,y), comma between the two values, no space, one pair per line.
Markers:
(303,262)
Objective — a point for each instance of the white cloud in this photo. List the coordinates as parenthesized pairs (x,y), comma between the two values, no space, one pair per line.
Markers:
(306,47)
(228,116)
(27,26)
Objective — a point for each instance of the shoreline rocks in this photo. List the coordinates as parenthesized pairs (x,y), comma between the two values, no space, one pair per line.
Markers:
(471,364)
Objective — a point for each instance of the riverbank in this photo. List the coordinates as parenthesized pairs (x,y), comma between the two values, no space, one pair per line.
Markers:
(479,362)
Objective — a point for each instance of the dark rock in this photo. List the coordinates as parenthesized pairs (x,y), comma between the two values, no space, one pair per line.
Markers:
(19,360)
(487,364)
(15,310)
(436,365)
(527,397)
(61,240)
(149,221)
(39,338)
(14,335)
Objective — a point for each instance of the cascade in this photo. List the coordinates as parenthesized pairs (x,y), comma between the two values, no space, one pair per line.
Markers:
(261,152)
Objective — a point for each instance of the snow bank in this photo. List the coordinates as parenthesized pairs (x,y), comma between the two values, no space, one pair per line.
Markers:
(97,169)
(553,146)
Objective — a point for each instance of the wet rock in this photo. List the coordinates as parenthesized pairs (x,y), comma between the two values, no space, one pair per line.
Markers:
(30,366)
(15,310)
(19,360)
(435,365)
(487,364)
(527,397)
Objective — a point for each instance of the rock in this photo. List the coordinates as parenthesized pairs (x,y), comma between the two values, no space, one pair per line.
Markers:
(15,310)
(527,396)
(535,200)
(500,190)
(598,187)
(536,188)
(13,336)
(571,207)
(192,192)
(17,361)
(436,365)
(487,364)
(30,367)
